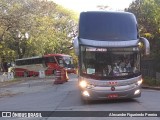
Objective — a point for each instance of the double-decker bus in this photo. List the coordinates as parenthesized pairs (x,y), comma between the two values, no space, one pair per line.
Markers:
(48,63)
(109,49)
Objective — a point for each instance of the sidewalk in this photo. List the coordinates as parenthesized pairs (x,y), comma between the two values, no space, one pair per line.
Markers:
(22,79)
(150,87)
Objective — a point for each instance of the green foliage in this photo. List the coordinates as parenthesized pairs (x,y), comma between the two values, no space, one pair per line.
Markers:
(147,13)
(35,27)
(151,81)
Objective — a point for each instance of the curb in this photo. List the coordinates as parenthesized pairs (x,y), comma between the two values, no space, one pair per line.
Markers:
(152,88)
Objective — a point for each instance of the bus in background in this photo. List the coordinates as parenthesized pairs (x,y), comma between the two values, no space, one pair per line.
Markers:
(109,50)
(59,60)
(48,63)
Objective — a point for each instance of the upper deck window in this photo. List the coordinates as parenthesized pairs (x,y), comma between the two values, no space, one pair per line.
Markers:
(108,26)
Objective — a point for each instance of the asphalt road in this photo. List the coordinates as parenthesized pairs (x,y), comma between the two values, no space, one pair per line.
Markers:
(43,95)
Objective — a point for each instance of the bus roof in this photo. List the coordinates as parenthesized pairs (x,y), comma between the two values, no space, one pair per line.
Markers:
(49,55)
(108,26)
(109,12)
(29,58)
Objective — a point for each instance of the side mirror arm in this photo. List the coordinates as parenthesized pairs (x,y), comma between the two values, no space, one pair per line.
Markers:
(146,45)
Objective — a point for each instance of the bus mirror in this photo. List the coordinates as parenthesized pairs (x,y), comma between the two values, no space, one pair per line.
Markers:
(143,42)
(76,46)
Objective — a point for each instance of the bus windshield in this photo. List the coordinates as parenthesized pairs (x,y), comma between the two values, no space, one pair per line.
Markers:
(65,61)
(109,63)
(109,26)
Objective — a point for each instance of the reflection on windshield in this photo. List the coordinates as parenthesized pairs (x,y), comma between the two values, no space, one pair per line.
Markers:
(65,61)
(105,26)
(68,60)
(106,64)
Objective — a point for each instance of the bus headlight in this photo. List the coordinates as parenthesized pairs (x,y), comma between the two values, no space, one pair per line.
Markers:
(85,93)
(83,84)
(139,82)
(137,92)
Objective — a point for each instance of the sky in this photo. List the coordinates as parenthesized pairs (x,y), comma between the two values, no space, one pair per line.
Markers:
(88,5)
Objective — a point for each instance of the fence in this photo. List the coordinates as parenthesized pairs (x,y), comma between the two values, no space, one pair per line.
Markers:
(148,68)
(6,76)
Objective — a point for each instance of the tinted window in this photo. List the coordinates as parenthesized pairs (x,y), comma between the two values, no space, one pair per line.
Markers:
(112,64)
(29,61)
(59,58)
(108,26)
(50,60)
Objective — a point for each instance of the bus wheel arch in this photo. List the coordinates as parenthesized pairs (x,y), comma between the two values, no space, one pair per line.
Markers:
(26,74)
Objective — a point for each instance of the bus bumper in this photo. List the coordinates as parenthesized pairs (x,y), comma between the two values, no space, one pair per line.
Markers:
(92,94)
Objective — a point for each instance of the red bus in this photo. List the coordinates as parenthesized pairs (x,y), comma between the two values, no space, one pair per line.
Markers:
(48,63)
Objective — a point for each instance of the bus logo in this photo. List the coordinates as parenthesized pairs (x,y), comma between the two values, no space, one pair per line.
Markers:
(113,83)
(113,88)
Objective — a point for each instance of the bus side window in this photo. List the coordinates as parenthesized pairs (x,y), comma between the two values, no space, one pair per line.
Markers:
(49,60)
(52,60)
(29,62)
(17,63)
(61,63)
(39,60)
(23,62)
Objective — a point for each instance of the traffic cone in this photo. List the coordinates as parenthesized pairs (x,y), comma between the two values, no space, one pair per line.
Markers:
(64,75)
(58,79)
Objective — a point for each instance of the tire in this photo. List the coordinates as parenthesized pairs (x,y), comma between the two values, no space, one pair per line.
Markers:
(26,74)
(34,75)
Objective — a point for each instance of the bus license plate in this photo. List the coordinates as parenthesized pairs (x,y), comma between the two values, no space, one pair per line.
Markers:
(112,96)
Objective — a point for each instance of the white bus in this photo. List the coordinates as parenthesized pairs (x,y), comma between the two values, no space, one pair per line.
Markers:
(109,49)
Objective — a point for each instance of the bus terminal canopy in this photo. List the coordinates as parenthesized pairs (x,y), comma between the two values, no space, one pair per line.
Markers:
(108,26)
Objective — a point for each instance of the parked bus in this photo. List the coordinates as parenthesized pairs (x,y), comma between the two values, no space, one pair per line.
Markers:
(109,49)
(48,63)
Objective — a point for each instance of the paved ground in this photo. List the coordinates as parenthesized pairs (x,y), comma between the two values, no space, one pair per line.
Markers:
(40,94)
(31,84)
(24,85)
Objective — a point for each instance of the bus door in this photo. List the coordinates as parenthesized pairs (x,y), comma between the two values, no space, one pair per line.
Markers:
(51,64)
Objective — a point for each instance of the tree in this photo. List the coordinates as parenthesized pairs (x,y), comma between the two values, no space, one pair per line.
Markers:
(48,25)
(15,22)
(147,13)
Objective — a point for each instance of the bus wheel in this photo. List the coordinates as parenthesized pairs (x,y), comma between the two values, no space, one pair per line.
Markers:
(26,74)
(34,75)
